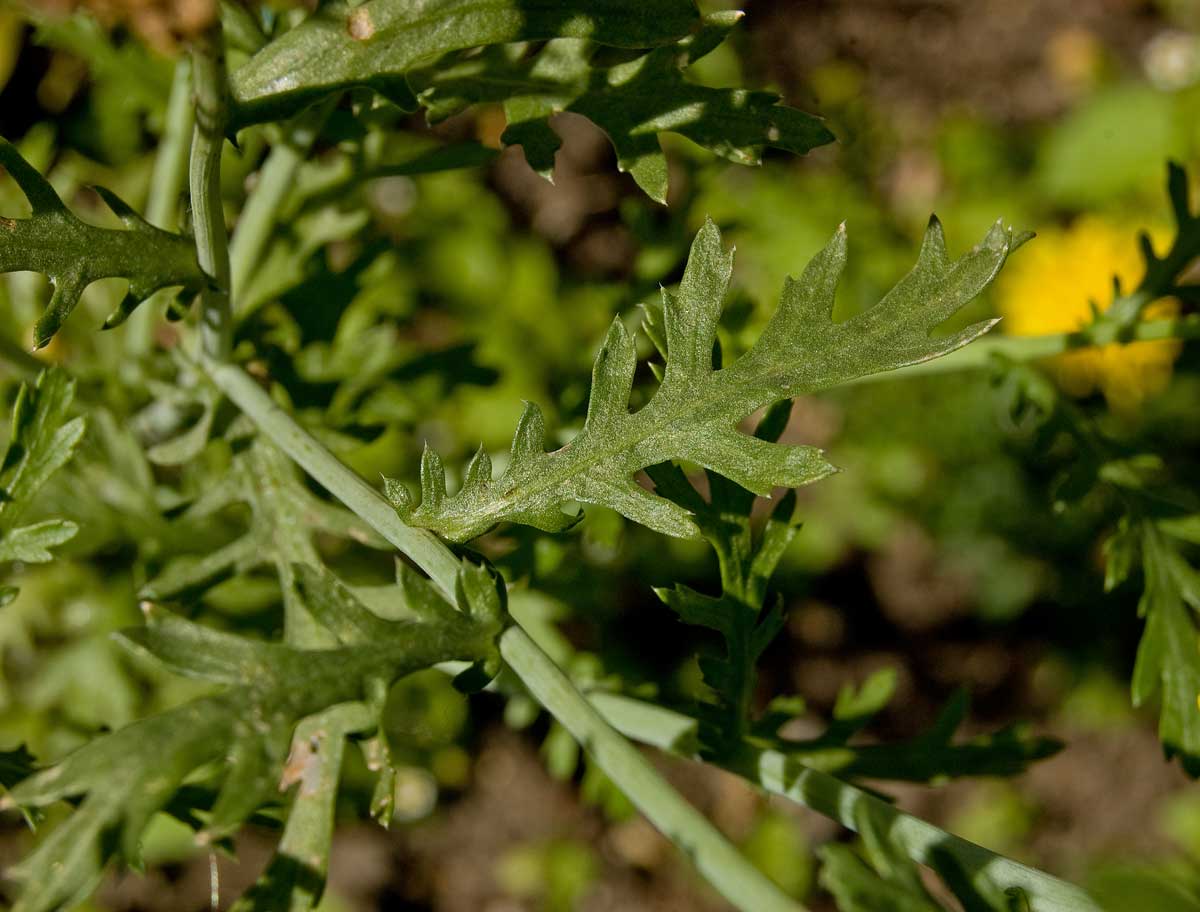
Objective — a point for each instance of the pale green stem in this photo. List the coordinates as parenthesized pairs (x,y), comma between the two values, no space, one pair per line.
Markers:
(782,774)
(241,27)
(166,185)
(425,548)
(208,217)
(169,177)
(739,881)
(980,354)
(709,851)
(276,179)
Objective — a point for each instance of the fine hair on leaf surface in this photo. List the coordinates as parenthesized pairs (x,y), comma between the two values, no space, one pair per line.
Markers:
(73,254)
(694,413)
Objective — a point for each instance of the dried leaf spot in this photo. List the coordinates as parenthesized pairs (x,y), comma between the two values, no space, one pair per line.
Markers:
(359,24)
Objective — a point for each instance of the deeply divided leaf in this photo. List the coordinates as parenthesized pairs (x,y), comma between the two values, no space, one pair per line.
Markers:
(122,779)
(695,412)
(390,46)
(375,44)
(73,254)
(633,102)
(1168,662)
(43,439)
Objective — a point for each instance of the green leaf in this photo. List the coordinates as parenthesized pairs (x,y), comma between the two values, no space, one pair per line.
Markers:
(284,516)
(633,102)
(1162,275)
(73,254)
(695,412)
(32,543)
(747,558)
(375,44)
(124,778)
(43,439)
(933,755)
(1168,659)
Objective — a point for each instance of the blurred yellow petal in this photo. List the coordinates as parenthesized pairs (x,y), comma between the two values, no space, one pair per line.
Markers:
(1053,289)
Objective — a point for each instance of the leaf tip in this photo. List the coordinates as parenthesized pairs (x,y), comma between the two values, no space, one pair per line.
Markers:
(397,494)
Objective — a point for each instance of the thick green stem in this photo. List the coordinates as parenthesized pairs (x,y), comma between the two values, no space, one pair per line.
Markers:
(1032,348)
(166,186)
(276,179)
(650,724)
(425,549)
(784,775)
(208,216)
(708,850)
(739,881)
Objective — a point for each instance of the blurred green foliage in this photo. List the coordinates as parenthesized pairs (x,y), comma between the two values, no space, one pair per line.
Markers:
(426,307)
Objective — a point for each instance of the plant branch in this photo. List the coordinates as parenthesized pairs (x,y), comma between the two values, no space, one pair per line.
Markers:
(708,850)
(981,353)
(784,775)
(276,179)
(740,882)
(425,549)
(208,217)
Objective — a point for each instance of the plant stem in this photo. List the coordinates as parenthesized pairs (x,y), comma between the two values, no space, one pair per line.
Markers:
(707,849)
(276,179)
(739,881)
(241,27)
(783,775)
(208,216)
(166,186)
(171,162)
(425,549)
(980,354)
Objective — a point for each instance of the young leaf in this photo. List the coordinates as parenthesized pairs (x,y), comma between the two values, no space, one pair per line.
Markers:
(282,509)
(695,411)
(43,439)
(747,558)
(73,254)
(1167,658)
(375,44)
(932,755)
(632,102)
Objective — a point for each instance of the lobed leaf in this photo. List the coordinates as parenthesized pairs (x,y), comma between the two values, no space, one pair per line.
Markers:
(1167,658)
(43,439)
(375,44)
(73,254)
(694,413)
(125,777)
(633,102)
(279,501)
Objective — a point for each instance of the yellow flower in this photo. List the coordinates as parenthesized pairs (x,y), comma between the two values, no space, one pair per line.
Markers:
(1049,287)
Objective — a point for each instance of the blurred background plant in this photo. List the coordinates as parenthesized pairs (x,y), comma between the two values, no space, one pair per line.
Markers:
(952,549)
